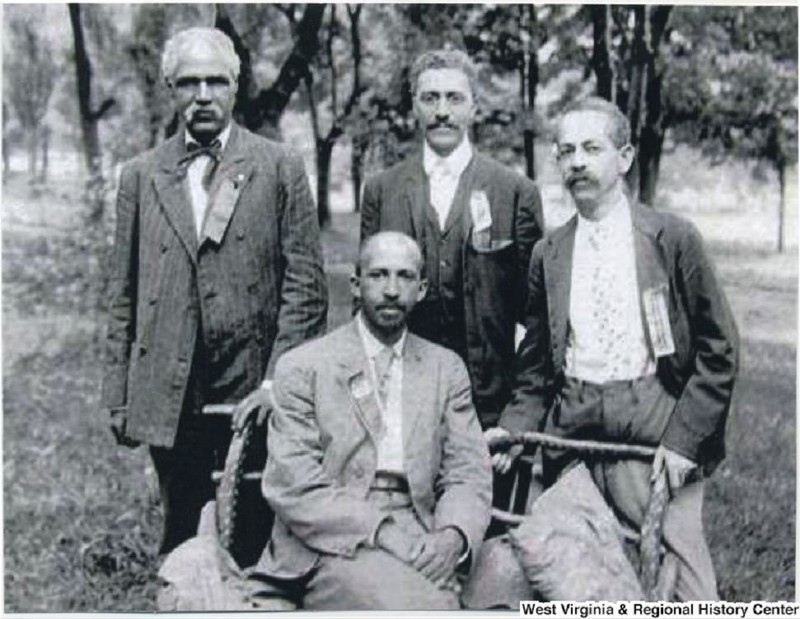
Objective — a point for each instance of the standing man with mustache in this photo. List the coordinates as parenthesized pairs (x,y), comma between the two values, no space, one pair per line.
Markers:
(216,271)
(629,339)
(476,222)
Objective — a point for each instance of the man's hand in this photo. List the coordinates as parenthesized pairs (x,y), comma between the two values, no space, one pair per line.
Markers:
(436,555)
(119,426)
(502,460)
(678,467)
(258,401)
(395,541)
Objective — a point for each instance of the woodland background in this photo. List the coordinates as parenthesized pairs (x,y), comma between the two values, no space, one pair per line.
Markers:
(711,93)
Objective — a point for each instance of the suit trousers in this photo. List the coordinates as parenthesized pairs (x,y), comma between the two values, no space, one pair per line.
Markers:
(184,470)
(374,579)
(637,412)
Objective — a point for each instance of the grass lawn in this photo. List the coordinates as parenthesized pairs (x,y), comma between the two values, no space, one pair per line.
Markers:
(81,521)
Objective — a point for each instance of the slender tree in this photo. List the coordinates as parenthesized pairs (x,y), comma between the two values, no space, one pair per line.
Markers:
(90,116)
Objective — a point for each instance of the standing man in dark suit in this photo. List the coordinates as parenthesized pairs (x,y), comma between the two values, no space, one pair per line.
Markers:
(378,473)
(629,339)
(476,222)
(216,271)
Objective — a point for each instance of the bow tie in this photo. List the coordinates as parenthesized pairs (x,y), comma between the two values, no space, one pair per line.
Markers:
(195,150)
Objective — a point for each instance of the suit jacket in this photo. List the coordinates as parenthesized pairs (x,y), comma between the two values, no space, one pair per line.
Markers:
(253,283)
(493,278)
(322,441)
(701,372)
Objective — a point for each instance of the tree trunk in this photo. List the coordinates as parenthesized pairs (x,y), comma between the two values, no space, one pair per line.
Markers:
(31,144)
(531,81)
(358,149)
(324,152)
(45,153)
(782,204)
(261,112)
(601,55)
(6,145)
(654,122)
(83,72)
(90,117)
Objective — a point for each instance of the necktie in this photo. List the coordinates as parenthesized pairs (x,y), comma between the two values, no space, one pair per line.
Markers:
(212,151)
(383,366)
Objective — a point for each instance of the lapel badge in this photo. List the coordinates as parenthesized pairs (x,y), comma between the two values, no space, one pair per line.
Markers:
(360,387)
(480,210)
(238,180)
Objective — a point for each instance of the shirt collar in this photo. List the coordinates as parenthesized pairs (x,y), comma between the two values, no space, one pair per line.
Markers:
(373,345)
(617,219)
(456,161)
(222,137)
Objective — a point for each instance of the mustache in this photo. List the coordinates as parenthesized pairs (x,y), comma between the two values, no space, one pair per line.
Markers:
(382,306)
(442,124)
(581,176)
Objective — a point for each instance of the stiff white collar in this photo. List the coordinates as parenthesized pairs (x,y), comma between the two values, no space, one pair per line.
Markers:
(455,162)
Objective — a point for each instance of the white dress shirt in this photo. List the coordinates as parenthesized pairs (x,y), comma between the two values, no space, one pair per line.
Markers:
(390,447)
(194,174)
(443,176)
(607,338)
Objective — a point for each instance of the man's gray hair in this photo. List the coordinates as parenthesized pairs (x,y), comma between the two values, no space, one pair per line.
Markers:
(185,40)
(619,127)
(391,237)
(445,59)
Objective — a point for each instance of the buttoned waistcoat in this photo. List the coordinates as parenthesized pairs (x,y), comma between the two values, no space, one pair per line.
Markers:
(251,287)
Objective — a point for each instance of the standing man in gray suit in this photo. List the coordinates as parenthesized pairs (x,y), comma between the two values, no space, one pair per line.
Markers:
(476,222)
(216,271)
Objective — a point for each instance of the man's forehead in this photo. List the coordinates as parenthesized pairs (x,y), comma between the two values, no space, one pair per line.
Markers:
(390,254)
(443,79)
(584,125)
(202,58)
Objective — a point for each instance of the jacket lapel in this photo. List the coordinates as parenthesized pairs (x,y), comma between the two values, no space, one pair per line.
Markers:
(459,209)
(355,373)
(651,269)
(558,282)
(233,174)
(651,262)
(415,198)
(416,396)
(173,193)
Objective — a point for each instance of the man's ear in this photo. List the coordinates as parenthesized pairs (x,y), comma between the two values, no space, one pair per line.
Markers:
(626,154)
(355,286)
(422,289)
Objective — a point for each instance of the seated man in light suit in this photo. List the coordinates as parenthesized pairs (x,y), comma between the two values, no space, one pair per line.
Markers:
(378,473)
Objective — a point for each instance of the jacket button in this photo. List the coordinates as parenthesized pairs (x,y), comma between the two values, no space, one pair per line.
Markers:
(240,235)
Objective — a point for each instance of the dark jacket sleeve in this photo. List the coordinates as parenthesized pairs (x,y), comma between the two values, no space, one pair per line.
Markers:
(122,291)
(370,209)
(304,292)
(529,229)
(702,408)
(533,386)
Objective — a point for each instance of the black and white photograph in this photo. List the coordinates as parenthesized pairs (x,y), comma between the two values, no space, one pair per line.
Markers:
(399,307)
